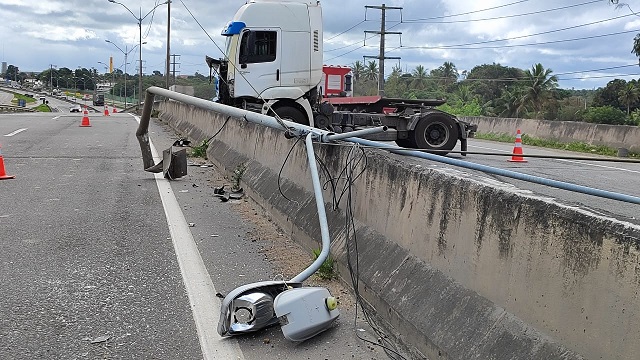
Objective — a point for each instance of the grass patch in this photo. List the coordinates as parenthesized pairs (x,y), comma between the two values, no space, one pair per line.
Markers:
(237,175)
(17,97)
(43,108)
(576,146)
(326,270)
(200,150)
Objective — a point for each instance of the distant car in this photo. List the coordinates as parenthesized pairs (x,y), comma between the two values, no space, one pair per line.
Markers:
(75,108)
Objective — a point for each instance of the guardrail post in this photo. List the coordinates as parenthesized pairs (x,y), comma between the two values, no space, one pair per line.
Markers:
(143,131)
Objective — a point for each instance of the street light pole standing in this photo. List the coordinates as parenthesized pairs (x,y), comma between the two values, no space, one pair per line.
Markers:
(125,52)
(139,20)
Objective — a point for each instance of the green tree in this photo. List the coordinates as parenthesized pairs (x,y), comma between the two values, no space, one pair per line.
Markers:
(539,85)
(13,73)
(628,96)
(358,69)
(488,81)
(464,94)
(511,103)
(394,85)
(605,115)
(446,74)
(609,95)
(370,72)
(419,78)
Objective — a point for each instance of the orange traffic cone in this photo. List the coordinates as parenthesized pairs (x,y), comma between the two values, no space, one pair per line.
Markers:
(106,110)
(85,119)
(114,110)
(3,174)
(517,149)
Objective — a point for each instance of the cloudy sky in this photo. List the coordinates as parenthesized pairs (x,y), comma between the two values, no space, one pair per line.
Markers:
(586,43)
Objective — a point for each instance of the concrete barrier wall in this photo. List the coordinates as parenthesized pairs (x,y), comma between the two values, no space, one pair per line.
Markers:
(461,267)
(614,136)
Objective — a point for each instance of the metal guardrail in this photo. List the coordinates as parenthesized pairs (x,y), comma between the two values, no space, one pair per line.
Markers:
(13,108)
(324,136)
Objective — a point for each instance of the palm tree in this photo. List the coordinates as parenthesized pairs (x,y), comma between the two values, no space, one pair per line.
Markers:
(629,96)
(465,94)
(636,47)
(510,103)
(370,72)
(419,77)
(449,72)
(357,69)
(539,85)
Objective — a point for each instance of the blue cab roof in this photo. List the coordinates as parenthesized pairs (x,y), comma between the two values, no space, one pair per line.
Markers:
(233,28)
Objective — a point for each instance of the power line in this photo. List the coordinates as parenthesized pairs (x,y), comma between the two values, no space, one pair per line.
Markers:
(458,47)
(486,41)
(431,18)
(437,17)
(473,12)
(500,17)
(540,33)
(349,29)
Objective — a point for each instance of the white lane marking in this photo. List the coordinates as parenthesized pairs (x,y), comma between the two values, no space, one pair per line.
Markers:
(566,160)
(205,305)
(16,132)
(600,166)
(55,118)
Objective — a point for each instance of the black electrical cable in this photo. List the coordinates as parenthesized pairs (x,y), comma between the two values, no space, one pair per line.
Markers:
(419,21)
(585,158)
(219,130)
(282,168)
(352,249)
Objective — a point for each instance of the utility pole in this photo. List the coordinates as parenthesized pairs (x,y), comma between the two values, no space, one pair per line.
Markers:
(51,74)
(174,63)
(381,58)
(166,72)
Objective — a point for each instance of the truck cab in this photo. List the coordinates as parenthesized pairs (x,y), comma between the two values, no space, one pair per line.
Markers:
(273,58)
(98,99)
(273,64)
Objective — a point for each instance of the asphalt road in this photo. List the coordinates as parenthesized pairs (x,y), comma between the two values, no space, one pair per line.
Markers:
(92,249)
(56,103)
(96,260)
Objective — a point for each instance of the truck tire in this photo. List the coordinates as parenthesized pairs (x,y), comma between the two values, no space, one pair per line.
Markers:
(292,114)
(435,131)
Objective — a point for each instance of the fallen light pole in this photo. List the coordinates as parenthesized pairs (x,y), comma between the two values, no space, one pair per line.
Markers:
(254,306)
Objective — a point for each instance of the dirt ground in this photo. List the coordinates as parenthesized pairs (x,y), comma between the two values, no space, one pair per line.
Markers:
(286,256)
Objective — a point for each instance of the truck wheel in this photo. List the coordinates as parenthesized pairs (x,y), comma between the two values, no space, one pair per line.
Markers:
(435,131)
(292,114)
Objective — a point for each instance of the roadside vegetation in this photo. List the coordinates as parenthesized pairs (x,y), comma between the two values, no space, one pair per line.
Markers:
(327,268)
(494,90)
(17,97)
(43,108)
(576,146)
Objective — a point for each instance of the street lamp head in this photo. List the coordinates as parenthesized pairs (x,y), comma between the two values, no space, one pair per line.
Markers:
(107,41)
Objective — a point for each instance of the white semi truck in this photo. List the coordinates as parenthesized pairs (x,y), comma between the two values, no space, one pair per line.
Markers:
(273,63)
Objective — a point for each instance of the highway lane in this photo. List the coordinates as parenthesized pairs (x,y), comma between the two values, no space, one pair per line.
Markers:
(87,270)
(88,259)
(616,177)
(57,103)
(5,98)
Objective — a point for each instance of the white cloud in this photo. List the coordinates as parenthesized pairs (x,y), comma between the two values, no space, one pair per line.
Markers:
(71,33)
